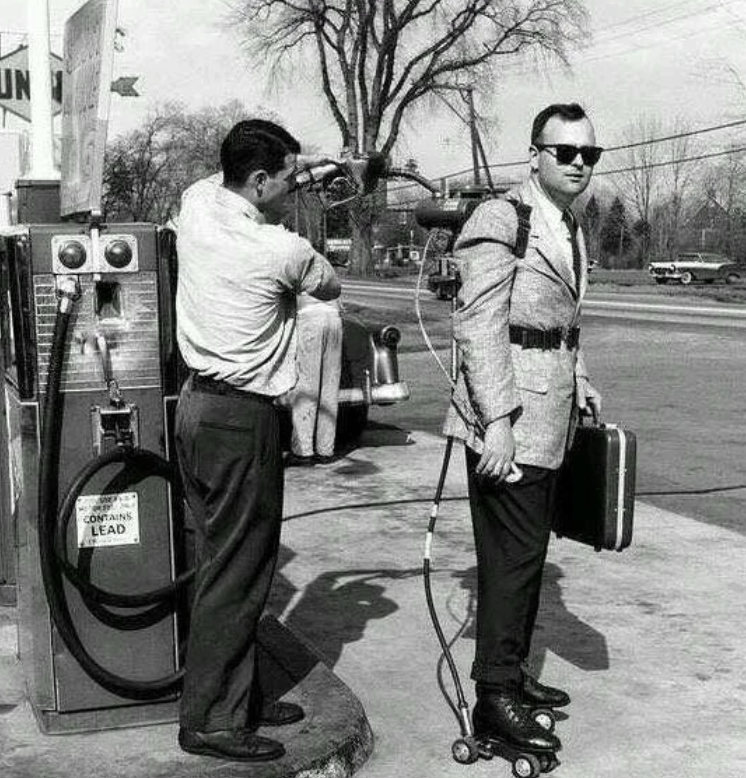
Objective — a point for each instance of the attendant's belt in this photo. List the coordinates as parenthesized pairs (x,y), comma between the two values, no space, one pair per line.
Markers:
(544,339)
(207,385)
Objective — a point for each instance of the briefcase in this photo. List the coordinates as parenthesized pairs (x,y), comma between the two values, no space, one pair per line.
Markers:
(596,498)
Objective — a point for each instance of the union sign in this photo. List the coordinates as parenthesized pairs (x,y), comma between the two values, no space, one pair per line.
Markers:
(15,84)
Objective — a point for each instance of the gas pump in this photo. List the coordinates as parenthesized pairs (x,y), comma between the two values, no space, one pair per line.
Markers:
(91,376)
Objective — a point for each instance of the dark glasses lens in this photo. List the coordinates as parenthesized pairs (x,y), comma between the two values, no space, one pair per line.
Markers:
(567,154)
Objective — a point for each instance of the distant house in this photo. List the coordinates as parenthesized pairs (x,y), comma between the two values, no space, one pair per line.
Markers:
(709,229)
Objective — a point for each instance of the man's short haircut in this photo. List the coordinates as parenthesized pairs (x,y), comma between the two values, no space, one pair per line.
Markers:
(255,144)
(571,112)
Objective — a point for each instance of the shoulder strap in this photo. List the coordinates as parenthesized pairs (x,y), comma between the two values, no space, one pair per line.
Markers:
(523,212)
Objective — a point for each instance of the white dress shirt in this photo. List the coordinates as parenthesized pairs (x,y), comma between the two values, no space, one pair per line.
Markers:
(238,278)
(553,216)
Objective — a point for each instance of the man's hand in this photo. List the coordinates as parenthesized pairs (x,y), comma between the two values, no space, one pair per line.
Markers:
(588,399)
(498,451)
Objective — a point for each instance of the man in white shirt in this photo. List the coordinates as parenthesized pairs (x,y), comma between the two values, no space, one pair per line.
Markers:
(239,274)
(522,384)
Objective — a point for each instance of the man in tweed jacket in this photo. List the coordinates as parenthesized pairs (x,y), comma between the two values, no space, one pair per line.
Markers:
(522,383)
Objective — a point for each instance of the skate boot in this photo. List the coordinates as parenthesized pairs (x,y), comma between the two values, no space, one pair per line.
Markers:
(505,727)
(537,695)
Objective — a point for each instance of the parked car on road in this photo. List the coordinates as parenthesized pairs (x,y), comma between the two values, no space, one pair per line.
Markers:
(696,266)
(370,363)
(370,374)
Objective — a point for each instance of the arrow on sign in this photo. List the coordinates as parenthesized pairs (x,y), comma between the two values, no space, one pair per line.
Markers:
(124,86)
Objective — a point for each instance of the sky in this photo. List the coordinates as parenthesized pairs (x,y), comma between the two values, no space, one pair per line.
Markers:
(666,60)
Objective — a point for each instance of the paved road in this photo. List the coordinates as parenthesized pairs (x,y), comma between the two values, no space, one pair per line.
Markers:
(644,306)
(678,385)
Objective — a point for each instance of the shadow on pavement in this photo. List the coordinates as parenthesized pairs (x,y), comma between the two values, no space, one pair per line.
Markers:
(560,631)
(557,629)
(336,607)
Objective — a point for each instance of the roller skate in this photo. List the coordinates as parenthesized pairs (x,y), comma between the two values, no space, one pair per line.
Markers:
(505,727)
(542,700)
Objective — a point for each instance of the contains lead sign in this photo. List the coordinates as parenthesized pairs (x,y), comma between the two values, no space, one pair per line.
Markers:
(107,520)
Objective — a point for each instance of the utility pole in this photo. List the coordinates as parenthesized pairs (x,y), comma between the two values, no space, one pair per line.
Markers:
(477,150)
(474,134)
(42,148)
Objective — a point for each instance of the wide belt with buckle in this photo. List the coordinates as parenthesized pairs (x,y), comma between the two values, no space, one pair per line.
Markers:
(544,339)
(207,385)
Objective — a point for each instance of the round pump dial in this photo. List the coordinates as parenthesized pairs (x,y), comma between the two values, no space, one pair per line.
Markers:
(118,253)
(72,254)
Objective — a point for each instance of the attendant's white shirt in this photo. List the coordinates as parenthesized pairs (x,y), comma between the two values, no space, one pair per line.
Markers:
(238,279)
(553,215)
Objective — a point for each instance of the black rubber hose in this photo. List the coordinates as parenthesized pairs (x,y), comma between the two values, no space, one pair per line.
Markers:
(460,708)
(153,464)
(46,522)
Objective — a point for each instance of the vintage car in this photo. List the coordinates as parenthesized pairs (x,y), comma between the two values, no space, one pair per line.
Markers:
(370,364)
(370,374)
(693,266)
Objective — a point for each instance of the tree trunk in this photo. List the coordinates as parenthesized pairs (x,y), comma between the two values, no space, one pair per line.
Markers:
(361,259)
(362,218)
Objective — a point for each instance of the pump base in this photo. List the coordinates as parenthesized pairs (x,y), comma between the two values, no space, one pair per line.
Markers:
(334,739)
(54,723)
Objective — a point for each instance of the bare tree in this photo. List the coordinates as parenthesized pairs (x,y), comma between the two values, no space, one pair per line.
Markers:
(377,60)
(639,181)
(678,180)
(146,170)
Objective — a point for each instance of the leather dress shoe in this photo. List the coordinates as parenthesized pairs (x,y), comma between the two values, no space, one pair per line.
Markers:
(501,715)
(537,695)
(233,745)
(279,713)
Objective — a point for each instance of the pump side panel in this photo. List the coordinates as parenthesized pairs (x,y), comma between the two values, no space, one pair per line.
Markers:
(147,652)
(116,321)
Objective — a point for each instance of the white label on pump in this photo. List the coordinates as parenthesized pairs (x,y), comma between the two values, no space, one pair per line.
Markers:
(107,520)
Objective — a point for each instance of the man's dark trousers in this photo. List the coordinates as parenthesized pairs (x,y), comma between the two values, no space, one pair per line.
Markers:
(231,463)
(512,525)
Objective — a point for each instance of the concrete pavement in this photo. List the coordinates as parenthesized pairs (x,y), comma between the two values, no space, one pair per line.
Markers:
(649,642)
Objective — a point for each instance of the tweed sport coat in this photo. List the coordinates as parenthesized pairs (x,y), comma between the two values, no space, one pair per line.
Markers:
(535,387)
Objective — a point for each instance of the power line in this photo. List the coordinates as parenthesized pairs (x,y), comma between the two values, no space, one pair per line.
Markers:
(677,135)
(656,25)
(672,161)
(621,147)
(520,69)
(398,205)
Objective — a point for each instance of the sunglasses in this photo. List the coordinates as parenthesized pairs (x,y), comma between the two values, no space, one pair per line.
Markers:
(566,154)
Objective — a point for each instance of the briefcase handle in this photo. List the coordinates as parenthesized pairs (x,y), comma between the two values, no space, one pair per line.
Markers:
(589,417)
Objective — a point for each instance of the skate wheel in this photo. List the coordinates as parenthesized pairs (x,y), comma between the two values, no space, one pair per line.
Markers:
(465,751)
(526,766)
(545,719)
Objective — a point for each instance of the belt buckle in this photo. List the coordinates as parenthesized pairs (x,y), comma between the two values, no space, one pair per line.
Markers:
(570,336)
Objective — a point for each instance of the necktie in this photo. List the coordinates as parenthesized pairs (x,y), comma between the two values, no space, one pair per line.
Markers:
(572,226)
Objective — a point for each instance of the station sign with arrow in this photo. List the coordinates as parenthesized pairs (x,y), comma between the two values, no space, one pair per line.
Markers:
(15,83)
(124,86)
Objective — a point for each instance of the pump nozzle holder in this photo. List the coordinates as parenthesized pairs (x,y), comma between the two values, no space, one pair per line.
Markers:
(68,292)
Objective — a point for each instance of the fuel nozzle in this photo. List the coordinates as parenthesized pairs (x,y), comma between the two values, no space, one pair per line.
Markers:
(340,180)
(115,394)
(68,293)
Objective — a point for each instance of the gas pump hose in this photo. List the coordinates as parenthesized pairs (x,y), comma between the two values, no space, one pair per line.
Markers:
(51,534)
